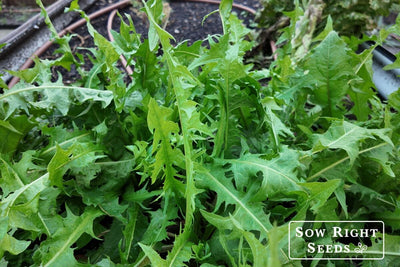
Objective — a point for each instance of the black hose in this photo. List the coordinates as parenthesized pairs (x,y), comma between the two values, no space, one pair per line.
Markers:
(30,26)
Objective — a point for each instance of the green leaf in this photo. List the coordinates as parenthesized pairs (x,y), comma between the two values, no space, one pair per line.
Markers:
(225,8)
(347,136)
(155,259)
(181,252)
(259,251)
(2,83)
(67,58)
(320,192)
(382,155)
(12,245)
(249,213)
(106,47)
(160,220)
(325,212)
(391,218)
(391,249)
(57,166)
(166,155)
(85,169)
(278,129)
(329,70)
(338,166)
(205,147)
(278,174)
(128,232)
(24,194)
(63,138)
(328,28)
(15,175)
(275,236)
(154,12)
(21,96)
(361,89)
(57,250)
(25,216)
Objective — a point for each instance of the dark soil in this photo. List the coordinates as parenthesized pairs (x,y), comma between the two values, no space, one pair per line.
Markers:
(185,23)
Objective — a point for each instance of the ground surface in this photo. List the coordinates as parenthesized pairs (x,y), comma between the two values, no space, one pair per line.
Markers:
(184,23)
(185,19)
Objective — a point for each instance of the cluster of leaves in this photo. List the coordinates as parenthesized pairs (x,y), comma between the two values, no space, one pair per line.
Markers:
(351,17)
(194,161)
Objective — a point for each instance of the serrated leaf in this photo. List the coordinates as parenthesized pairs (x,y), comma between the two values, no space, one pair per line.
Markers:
(57,250)
(126,244)
(57,166)
(12,245)
(40,72)
(85,169)
(8,242)
(329,71)
(167,157)
(63,138)
(25,216)
(181,252)
(222,223)
(361,89)
(13,131)
(391,249)
(328,28)
(106,47)
(320,192)
(192,116)
(58,96)
(10,179)
(277,127)
(382,156)
(156,230)
(391,218)
(155,259)
(24,194)
(259,251)
(154,12)
(214,179)
(93,81)
(347,136)
(67,58)
(279,173)
(2,83)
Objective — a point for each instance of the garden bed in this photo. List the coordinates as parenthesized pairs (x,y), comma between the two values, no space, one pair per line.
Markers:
(197,156)
(183,19)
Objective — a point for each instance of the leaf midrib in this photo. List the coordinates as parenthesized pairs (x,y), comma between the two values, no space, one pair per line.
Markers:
(265,167)
(34,88)
(341,137)
(238,201)
(70,240)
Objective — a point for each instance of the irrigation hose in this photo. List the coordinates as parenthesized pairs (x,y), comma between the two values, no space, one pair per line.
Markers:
(26,28)
(111,38)
(112,8)
(68,29)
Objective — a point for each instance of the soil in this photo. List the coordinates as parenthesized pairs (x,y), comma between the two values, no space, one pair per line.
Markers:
(185,23)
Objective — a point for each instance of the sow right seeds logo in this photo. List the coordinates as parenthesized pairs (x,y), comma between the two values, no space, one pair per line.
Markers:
(336,240)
